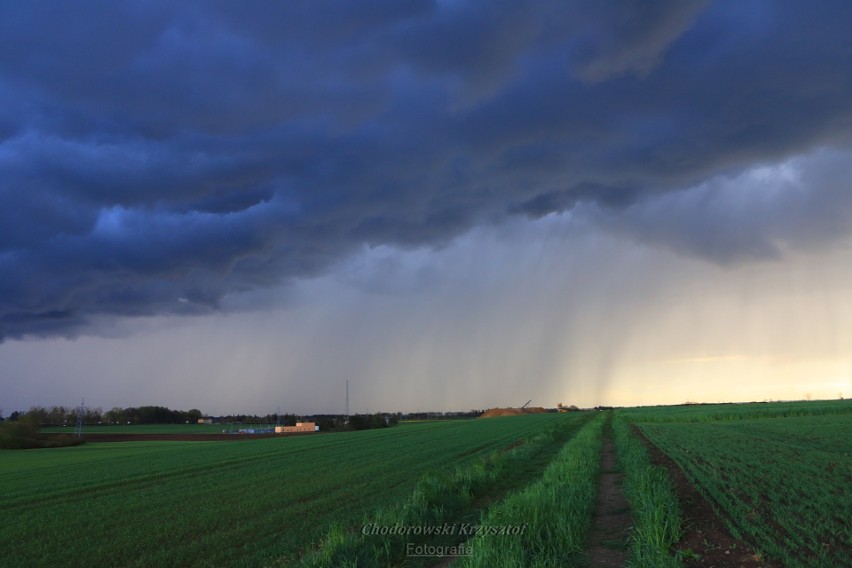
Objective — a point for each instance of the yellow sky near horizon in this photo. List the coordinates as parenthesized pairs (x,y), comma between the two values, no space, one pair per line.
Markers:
(588,320)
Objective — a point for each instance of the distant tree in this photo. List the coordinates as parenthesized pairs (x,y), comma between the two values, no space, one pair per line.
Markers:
(34,419)
(115,416)
(191,416)
(359,422)
(158,415)
(93,415)
(325,423)
(37,415)
(19,435)
(15,416)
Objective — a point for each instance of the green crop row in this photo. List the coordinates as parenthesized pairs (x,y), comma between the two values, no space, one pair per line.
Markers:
(735,412)
(220,503)
(653,503)
(783,483)
(436,503)
(554,513)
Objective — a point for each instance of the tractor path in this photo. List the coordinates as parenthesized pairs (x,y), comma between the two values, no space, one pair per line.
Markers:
(611,526)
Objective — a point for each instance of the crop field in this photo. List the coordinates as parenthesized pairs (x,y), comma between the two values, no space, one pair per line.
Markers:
(222,503)
(556,511)
(777,474)
(784,482)
(539,523)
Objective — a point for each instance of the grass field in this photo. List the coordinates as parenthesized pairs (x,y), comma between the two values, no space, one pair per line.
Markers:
(777,473)
(555,511)
(457,499)
(784,482)
(224,503)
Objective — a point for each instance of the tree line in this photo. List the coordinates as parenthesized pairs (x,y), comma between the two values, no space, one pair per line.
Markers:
(68,416)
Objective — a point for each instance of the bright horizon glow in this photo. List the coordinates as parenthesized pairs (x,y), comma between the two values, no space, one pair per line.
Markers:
(555,310)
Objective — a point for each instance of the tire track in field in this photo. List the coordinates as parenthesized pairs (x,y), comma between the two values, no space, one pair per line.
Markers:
(707,542)
(607,543)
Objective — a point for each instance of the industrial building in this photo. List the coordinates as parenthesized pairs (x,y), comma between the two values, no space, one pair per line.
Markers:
(299,427)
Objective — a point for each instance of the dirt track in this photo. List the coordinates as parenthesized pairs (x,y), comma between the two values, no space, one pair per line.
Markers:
(608,538)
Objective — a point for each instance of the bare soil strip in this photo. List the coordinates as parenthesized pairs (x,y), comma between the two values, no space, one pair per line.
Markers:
(608,545)
(706,543)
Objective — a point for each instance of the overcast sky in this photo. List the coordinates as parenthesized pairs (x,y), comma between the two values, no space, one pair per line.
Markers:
(453,205)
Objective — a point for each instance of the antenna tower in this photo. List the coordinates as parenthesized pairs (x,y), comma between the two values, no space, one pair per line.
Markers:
(78,430)
(347,398)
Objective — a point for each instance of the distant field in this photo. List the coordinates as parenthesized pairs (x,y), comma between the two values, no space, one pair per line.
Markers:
(208,503)
(152,428)
(736,411)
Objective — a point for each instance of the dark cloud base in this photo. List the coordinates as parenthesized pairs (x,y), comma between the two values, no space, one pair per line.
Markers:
(156,158)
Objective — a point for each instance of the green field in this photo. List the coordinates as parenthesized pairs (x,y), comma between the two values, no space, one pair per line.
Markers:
(223,503)
(737,412)
(556,511)
(777,473)
(784,482)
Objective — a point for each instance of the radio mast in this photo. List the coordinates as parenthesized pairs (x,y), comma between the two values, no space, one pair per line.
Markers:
(78,430)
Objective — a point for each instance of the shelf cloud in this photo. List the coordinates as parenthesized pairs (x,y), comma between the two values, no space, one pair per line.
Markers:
(158,158)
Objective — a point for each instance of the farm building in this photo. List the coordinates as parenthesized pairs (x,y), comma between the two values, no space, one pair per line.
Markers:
(205,421)
(299,427)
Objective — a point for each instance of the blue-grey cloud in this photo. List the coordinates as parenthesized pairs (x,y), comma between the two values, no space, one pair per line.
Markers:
(801,204)
(159,157)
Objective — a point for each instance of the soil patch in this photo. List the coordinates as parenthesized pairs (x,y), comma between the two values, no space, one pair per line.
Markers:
(705,534)
(608,539)
(492,412)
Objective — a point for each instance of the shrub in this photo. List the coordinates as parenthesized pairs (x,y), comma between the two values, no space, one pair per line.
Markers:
(24,435)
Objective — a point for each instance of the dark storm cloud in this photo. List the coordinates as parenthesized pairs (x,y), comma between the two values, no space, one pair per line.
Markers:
(755,215)
(156,157)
